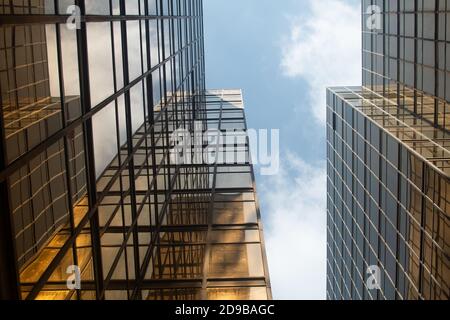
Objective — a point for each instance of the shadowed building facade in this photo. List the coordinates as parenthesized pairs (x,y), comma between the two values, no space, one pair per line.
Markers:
(389,159)
(88,185)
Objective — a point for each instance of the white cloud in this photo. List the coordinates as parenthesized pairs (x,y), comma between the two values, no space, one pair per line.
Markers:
(324,48)
(295,206)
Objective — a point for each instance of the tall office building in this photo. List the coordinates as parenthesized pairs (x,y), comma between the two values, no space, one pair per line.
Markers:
(95,204)
(389,159)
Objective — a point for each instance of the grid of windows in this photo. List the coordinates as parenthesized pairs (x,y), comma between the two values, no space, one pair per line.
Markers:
(38,197)
(389,159)
(138,225)
(408,57)
(387,207)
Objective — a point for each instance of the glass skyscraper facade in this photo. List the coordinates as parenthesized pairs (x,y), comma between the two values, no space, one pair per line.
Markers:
(389,159)
(89,184)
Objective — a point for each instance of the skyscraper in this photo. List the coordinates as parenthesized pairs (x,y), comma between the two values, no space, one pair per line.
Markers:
(389,159)
(93,204)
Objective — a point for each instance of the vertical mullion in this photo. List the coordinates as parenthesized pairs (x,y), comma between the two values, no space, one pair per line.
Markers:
(160,137)
(399,76)
(148,120)
(16,85)
(66,143)
(416,51)
(129,130)
(446,65)
(202,30)
(436,65)
(9,275)
(174,116)
(119,147)
(210,214)
(165,118)
(9,272)
(83,65)
(151,122)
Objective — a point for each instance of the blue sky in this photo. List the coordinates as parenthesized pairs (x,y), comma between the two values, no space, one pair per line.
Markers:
(283,54)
